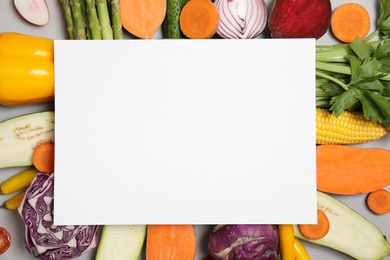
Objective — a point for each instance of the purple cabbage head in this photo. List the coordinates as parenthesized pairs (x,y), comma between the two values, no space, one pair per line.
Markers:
(244,242)
(44,239)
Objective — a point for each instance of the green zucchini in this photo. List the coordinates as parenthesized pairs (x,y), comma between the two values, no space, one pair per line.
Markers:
(171,25)
(349,231)
(20,135)
(121,242)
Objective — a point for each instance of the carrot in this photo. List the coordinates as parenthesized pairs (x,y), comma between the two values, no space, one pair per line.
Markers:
(142,18)
(199,19)
(43,157)
(349,21)
(173,242)
(315,231)
(378,201)
(347,170)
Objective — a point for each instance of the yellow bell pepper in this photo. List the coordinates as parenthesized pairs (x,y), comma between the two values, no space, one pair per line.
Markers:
(26,69)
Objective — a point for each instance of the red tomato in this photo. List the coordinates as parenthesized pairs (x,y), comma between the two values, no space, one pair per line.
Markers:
(5,240)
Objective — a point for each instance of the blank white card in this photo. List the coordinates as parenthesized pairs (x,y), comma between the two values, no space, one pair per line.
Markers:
(185,132)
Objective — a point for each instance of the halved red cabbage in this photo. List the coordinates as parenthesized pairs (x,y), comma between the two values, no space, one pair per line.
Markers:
(244,242)
(45,240)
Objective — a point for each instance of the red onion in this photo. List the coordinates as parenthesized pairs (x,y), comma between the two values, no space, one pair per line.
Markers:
(241,19)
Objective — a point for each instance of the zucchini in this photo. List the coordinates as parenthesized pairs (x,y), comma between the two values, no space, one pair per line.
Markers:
(171,25)
(349,231)
(121,242)
(20,135)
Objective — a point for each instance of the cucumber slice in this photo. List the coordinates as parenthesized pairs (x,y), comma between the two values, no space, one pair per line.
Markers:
(121,242)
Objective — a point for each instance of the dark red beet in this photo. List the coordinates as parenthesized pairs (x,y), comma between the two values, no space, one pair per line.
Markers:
(299,18)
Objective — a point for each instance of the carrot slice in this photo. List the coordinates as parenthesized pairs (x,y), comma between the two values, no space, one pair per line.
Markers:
(142,18)
(43,157)
(316,231)
(379,201)
(349,21)
(199,19)
(173,242)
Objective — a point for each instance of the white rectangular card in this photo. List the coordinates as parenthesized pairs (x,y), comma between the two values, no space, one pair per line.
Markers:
(185,131)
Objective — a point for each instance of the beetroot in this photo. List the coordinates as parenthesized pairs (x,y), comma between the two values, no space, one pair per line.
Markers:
(299,18)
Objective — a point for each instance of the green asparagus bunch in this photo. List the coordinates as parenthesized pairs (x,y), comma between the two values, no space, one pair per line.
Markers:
(92,19)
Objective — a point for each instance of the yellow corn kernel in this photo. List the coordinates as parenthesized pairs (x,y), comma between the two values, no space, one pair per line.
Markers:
(348,128)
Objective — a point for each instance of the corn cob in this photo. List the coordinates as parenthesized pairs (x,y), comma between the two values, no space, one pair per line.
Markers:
(19,181)
(348,128)
(14,202)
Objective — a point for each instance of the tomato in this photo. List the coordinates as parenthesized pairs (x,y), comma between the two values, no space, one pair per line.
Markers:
(5,240)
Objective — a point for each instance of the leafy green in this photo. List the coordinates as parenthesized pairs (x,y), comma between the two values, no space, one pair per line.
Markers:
(359,79)
(384,19)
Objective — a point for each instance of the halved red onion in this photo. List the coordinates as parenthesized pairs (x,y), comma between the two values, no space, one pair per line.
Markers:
(241,19)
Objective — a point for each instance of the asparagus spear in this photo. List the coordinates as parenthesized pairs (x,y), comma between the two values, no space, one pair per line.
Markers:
(68,18)
(93,20)
(116,20)
(85,18)
(104,18)
(78,20)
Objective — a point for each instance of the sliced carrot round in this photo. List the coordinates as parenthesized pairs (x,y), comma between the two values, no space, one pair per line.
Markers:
(349,21)
(43,157)
(379,201)
(199,19)
(316,231)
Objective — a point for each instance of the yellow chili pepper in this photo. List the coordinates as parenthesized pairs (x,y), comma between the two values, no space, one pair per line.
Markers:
(26,69)
(300,250)
(286,241)
(14,202)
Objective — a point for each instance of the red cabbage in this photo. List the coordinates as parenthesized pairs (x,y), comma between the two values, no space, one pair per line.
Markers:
(42,238)
(244,242)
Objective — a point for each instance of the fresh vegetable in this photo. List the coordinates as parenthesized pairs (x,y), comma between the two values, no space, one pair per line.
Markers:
(121,242)
(103,13)
(116,19)
(94,26)
(142,18)
(14,202)
(44,239)
(199,19)
(355,76)
(173,242)
(244,242)
(349,21)
(286,241)
(18,181)
(68,18)
(171,25)
(299,18)
(26,69)
(348,170)
(348,128)
(241,19)
(300,251)
(20,135)
(5,240)
(33,11)
(43,157)
(92,19)
(318,230)
(378,201)
(349,231)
